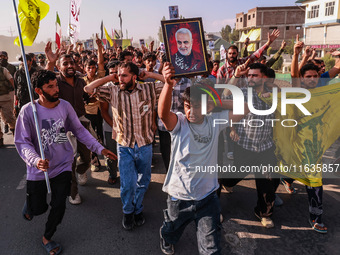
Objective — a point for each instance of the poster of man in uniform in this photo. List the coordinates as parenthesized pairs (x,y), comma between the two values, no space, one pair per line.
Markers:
(173,12)
(141,42)
(185,46)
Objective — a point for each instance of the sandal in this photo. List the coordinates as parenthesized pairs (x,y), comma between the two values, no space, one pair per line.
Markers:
(318,227)
(50,246)
(288,186)
(26,214)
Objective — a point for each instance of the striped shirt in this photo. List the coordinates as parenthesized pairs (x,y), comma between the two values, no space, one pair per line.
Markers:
(226,71)
(133,112)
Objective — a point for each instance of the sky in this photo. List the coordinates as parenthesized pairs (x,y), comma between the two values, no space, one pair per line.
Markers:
(140,17)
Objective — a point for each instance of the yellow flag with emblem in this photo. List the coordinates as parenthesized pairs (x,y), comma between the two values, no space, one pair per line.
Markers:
(299,149)
(30,13)
(108,38)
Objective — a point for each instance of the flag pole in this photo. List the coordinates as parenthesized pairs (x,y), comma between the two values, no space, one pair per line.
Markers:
(31,96)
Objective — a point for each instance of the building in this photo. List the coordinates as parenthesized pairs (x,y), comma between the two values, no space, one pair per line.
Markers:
(215,40)
(262,20)
(322,24)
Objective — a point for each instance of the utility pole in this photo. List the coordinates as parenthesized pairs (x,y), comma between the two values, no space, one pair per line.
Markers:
(11,31)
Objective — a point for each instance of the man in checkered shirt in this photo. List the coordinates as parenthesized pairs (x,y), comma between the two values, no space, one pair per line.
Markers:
(226,71)
(255,146)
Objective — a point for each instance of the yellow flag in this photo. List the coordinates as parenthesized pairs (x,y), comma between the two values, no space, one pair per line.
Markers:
(300,148)
(30,13)
(108,38)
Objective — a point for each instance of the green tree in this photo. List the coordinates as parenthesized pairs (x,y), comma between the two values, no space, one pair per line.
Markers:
(329,61)
(225,33)
(289,49)
(160,34)
(234,36)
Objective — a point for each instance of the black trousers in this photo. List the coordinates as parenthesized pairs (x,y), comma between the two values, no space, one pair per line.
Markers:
(165,147)
(36,200)
(265,185)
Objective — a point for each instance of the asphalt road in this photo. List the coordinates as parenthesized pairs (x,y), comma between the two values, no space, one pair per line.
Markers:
(94,227)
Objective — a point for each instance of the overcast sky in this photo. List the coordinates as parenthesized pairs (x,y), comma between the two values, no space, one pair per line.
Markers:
(140,17)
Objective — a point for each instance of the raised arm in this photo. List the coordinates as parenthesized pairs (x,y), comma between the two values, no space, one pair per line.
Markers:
(295,64)
(168,118)
(51,57)
(271,38)
(145,75)
(277,55)
(305,56)
(99,82)
(100,54)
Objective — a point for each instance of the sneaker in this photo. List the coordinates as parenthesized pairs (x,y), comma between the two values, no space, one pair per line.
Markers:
(265,221)
(95,168)
(75,201)
(278,201)
(288,186)
(230,155)
(228,189)
(139,219)
(82,179)
(165,247)
(128,221)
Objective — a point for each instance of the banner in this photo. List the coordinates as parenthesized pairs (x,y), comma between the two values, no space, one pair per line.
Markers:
(300,148)
(74,26)
(123,42)
(58,32)
(30,13)
(254,35)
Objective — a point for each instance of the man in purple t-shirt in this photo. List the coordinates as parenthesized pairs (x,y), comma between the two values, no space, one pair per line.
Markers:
(56,118)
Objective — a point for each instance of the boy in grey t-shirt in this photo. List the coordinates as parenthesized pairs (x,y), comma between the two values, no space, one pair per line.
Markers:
(191,181)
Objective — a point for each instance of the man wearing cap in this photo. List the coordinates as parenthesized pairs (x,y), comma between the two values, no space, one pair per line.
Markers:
(6,101)
(4,63)
(11,68)
(20,83)
(42,61)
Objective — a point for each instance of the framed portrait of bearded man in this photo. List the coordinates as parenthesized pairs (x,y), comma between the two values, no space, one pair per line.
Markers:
(185,46)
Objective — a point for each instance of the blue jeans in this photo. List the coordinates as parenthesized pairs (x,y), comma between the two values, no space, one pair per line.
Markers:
(135,175)
(205,213)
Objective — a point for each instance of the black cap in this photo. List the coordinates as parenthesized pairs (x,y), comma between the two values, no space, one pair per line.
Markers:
(28,58)
(3,53)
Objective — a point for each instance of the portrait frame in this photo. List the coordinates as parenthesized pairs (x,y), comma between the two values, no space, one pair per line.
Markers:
(195,63)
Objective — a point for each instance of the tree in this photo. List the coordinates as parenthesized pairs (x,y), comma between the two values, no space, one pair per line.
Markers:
(234,36)
(225,33)
(289,49)
(160,34)
(329,61)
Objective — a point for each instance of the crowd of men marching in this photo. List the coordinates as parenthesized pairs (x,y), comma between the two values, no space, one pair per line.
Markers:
(112,102)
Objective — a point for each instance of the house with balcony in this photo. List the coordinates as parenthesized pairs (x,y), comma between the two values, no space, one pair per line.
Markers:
(322,24)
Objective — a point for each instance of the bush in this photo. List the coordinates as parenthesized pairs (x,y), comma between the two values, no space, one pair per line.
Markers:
(329,61)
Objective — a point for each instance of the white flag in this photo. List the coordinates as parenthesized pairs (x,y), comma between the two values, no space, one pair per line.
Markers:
(74,26)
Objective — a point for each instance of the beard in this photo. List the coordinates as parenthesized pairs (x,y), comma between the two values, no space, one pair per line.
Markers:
(67,74)
(232,60)
(3,62)
(126,86)
(53,98)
